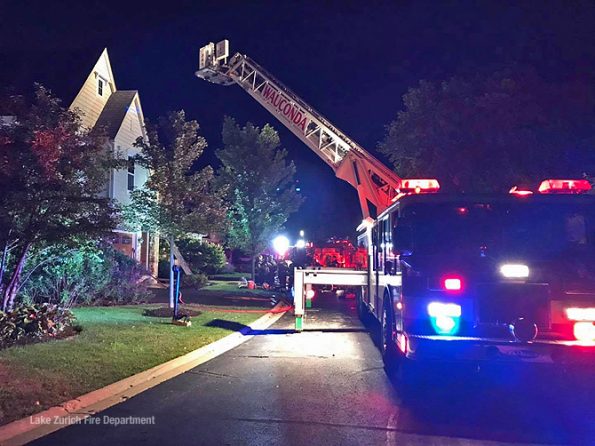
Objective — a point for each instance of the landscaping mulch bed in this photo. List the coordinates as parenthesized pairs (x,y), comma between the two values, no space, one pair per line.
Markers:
(68,332)
(167,312)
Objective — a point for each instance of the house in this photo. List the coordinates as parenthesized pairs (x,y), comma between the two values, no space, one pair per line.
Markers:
(115,114)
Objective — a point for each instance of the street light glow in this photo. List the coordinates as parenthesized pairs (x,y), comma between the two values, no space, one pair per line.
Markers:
(300,244)
(281,244)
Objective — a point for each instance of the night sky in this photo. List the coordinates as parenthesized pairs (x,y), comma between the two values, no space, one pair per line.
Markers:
(352,61)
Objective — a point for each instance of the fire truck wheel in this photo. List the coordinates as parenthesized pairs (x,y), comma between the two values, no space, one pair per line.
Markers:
(387,344)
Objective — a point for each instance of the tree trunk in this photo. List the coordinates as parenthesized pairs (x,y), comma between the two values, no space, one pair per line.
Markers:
(172,262)
(254,268)
(11,290)
(3,267)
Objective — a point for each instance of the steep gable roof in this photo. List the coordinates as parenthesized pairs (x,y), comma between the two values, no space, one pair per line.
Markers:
(72,77)
(90,100)
(113,114)
(62,72)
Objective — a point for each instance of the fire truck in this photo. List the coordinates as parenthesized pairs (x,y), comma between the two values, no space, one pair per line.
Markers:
(338,253)
(457,277)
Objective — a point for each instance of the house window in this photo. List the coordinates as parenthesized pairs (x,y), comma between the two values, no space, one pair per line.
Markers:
(100,87)
(130,173)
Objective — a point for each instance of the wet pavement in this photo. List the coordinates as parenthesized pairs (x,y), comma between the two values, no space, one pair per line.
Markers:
(328,386)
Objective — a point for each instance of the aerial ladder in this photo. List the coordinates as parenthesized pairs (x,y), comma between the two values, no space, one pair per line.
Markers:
(377,186)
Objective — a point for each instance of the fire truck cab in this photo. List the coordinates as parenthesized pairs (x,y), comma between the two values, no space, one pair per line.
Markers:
(507,277)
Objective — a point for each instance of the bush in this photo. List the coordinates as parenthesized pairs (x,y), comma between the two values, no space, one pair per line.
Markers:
(88,274)
(124,286)
(196,280)
(204,257)
(34,322)
(61,275)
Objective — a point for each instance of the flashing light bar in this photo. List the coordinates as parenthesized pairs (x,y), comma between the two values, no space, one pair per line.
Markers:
(515,190)
(418,186)
(581,314)
(514,271)
(564,186)
(554,186)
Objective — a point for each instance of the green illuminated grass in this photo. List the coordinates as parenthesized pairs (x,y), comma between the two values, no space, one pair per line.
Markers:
(230,288)
(229,276)
(116,342)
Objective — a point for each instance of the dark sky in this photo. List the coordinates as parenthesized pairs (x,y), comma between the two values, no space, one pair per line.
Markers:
(351,60)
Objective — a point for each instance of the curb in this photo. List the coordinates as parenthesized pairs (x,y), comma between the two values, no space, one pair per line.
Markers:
(25,430)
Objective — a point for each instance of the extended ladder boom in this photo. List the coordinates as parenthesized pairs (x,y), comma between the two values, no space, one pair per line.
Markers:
(374,182)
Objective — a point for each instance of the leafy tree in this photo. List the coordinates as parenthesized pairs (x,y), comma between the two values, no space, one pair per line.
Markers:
(261,193)
(487,134)
(177,199)
(53,175)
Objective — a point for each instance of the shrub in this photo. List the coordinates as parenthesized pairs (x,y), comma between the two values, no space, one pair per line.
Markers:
(88,274)
(124,285)
(33,322)
(196,280)
(204,257)
(61,275)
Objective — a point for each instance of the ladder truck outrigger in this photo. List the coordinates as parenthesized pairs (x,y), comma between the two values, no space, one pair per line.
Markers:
(480,270)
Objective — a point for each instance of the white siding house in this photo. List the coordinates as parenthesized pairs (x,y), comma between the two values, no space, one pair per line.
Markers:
(117,115)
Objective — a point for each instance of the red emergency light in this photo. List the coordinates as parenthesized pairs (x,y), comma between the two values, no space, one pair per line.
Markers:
(564,186)
(452,283)
(419,186)
(520,191)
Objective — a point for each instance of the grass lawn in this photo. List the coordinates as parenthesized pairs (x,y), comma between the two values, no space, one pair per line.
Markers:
(116,342)
(229,276)
(230,288)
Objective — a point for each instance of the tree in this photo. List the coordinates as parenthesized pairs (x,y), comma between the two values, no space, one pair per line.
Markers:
(261,194)
(488,134)
(53,174)
(177,198)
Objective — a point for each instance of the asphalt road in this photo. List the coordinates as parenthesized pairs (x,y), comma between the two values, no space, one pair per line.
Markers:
(327,386)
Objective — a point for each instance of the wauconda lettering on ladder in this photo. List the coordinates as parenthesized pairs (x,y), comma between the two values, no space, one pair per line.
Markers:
(290,111)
